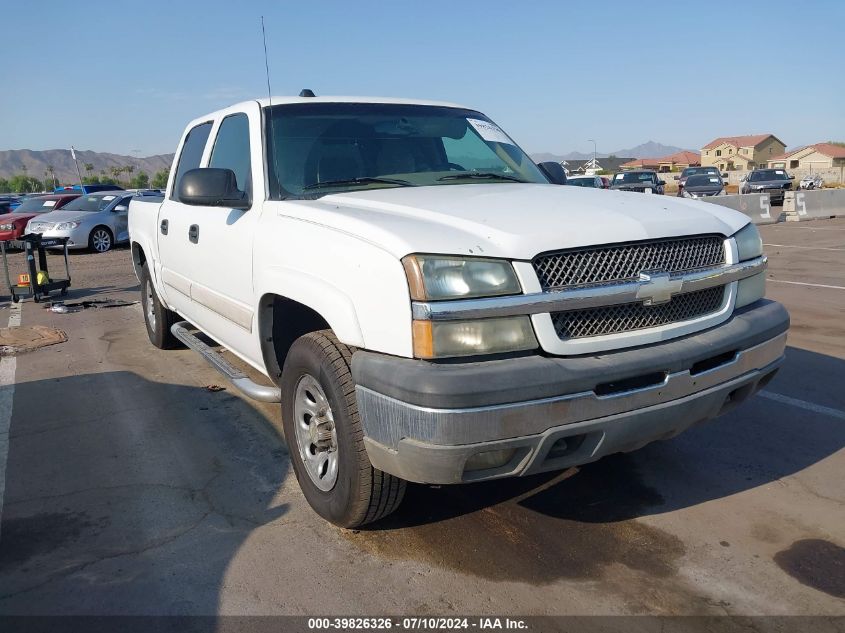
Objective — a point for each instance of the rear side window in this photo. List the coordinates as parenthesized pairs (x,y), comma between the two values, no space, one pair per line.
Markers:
(191,153)
(231,150)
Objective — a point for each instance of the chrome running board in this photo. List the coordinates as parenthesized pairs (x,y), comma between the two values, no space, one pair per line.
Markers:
(248,387)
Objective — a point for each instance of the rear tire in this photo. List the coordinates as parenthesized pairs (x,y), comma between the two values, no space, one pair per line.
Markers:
(157,318)
(348,491)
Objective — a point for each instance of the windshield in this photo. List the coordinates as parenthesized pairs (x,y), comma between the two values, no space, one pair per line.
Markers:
(89,203)
(704,181)
(36,205)
(692,171)
(320,148)
(634,177)
(581,182)
(767,174)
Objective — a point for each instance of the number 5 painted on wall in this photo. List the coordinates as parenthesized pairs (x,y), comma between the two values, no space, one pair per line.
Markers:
(766,207)
(800,204)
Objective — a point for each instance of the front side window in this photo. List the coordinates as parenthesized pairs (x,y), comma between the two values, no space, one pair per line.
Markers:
(321,148)
(191,154)
(231,150)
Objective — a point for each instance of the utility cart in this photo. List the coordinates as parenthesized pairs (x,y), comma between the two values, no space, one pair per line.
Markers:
(37,282)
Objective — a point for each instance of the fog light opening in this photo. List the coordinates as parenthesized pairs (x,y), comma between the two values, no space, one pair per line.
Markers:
(489,459)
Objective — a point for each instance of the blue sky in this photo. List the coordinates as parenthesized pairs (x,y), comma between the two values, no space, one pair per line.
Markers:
(125,77)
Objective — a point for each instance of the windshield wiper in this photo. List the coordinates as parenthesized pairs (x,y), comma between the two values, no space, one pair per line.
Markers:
(481,175)
(363,180)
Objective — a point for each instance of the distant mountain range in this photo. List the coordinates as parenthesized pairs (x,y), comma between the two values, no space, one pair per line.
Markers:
(651,149)
(38,162)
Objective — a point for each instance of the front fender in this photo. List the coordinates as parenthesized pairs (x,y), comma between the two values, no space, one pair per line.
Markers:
(327,300)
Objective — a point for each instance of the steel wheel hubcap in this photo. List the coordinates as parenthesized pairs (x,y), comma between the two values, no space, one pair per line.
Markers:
(316,435)
(102,241)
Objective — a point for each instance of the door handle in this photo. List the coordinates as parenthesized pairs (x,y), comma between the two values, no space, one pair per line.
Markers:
(194,233)
(163,227)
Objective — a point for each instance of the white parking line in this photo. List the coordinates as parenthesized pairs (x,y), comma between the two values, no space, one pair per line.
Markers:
(807,248)
(803,404)
(8,364)
(804,283)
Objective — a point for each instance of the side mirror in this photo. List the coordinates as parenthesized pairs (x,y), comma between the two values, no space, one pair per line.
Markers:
(724,174)
(677,177)
(121,207)
(212,187)
(792,177)
(660,183)
(553,171)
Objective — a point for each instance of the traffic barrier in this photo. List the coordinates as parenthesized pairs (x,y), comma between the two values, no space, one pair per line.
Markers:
(757,206)
(814,204)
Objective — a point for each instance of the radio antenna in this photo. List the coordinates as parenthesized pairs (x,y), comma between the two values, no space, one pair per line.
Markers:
(266,63)
(271,158)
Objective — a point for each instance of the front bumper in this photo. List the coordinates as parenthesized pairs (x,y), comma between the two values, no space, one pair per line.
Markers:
(423,421)
(77,238)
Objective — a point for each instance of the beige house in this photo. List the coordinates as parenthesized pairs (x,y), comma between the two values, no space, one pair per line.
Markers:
(730,153)
(813,157)
(672,162)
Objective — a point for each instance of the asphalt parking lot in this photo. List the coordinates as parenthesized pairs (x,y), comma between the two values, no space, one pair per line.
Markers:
(134,486)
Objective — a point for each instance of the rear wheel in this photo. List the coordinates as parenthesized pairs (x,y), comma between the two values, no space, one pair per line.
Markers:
(100,240)
(325,437)
(157,318)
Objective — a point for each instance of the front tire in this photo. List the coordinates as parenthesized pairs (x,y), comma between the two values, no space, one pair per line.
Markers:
(100,240)
(324,435)
(157,318)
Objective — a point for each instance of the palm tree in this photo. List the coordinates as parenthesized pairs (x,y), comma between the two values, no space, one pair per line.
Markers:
(52,171)
(89,167)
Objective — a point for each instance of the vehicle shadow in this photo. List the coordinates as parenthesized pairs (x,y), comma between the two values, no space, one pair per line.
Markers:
(759,442)
(128,496)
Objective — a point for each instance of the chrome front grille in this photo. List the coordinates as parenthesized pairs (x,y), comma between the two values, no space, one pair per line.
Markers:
(625,262)
(636,316)
(40,227)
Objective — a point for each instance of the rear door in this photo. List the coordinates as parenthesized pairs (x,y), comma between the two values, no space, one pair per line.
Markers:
(174,220)
(120,219)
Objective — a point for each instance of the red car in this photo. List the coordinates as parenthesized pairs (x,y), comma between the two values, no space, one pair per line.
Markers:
(12,225)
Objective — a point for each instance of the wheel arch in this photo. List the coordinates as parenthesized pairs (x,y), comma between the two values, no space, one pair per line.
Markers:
(139,258)
(283,319)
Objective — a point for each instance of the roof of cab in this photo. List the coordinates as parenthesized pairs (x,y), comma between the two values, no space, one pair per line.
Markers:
(288,100)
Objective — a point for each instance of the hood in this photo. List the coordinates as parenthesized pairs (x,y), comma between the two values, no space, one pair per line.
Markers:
(63,216)
(515,221)
(8,218)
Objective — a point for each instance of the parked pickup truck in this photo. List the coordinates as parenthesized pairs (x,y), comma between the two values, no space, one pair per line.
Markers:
(428,308)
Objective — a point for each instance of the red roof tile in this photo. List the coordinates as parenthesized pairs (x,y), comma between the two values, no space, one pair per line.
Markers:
(827,149)
(739,141)
(683,158)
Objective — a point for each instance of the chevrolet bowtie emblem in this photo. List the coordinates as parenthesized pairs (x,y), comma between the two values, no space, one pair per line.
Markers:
(657,288)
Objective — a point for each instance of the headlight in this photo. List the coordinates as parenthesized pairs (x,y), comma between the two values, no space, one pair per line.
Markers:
(748,243)
(440,339)
(66,226)
(6,227)
(433,277)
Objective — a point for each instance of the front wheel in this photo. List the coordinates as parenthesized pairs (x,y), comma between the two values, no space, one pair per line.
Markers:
(100,240)
(324,435)
(157,318)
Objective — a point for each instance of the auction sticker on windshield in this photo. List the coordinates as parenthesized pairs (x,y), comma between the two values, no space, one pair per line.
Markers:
(489,131)
(48,203)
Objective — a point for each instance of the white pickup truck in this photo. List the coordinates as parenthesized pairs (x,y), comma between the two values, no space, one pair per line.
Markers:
(427,307)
